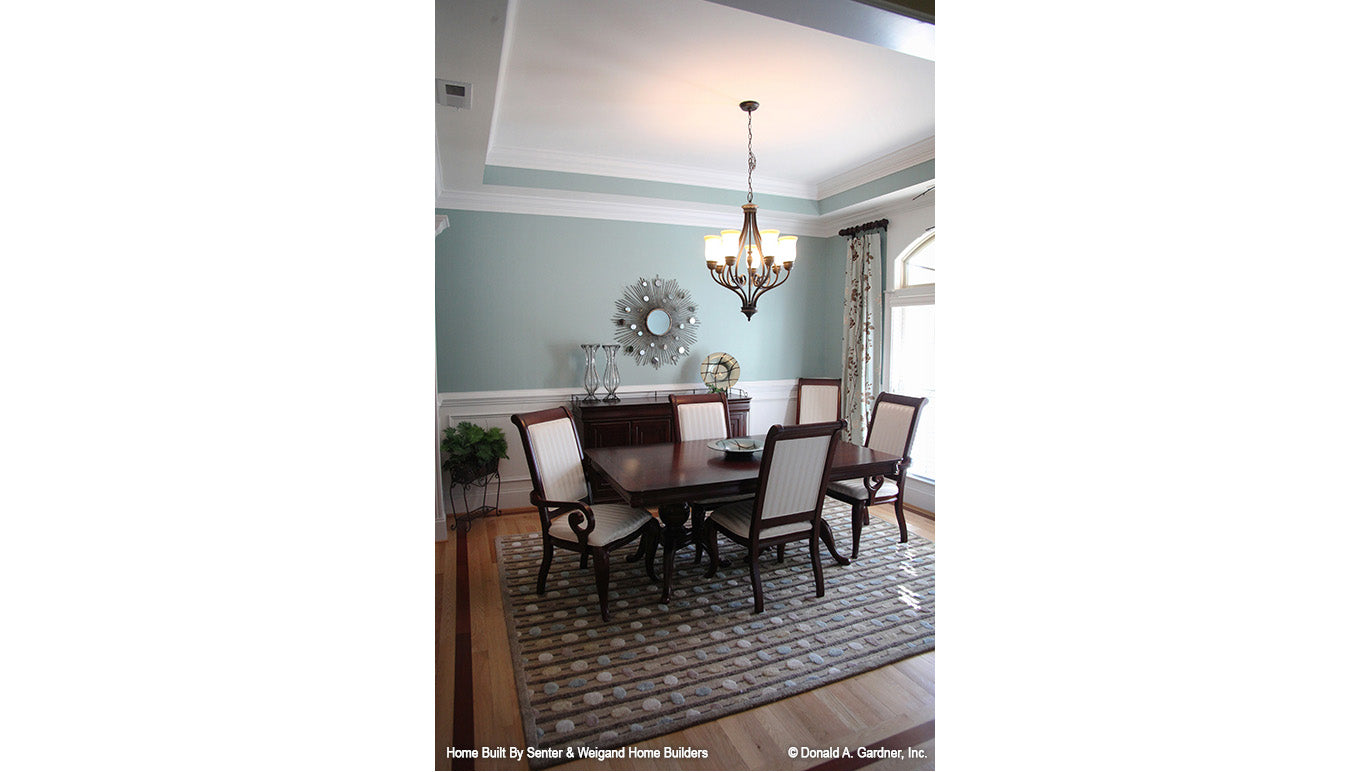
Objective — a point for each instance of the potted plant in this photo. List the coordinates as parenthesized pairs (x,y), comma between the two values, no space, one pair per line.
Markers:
(470,452)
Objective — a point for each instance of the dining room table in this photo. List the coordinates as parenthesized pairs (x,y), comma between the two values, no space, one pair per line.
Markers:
(669,476)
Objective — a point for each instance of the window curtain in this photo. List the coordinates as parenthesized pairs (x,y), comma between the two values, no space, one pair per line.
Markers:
(861,310)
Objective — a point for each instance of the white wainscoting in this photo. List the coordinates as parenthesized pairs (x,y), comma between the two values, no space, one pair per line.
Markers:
(773,402)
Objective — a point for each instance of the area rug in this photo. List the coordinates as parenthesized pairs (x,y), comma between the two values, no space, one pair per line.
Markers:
(656,668)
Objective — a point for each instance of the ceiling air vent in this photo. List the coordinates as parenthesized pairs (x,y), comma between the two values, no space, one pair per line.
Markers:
(454,94)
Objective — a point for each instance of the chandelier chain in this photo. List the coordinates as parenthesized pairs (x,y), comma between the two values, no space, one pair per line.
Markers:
(751,159)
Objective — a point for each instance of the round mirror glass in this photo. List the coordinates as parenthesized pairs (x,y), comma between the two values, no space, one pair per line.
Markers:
(658,322)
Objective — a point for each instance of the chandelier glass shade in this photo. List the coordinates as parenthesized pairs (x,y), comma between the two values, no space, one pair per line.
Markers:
(750,261)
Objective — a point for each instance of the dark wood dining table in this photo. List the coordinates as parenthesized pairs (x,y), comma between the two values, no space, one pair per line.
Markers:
(668,476)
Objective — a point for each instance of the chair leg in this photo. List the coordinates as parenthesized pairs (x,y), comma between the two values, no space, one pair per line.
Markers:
(818,567)
(858,517)
(899,515)
(826,534)
(648,544)
(712,546)
(780,553)
(543,569)
(756,584)
(638,554)
(583,559)
(697,524)
(602,580)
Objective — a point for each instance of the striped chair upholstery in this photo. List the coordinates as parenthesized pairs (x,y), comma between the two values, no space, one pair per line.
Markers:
(556,450)
(701,421)
(817,400)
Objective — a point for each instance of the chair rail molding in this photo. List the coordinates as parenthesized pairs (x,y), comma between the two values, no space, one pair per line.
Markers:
(773,402)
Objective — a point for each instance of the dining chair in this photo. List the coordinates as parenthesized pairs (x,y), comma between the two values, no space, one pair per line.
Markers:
(894,417)
(818,400)
(570,517)
(790,495)
(701,417)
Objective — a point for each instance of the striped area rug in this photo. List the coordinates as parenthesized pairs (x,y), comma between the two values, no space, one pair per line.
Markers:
(654,668)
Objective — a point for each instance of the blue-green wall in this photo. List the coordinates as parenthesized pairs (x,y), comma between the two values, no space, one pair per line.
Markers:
(517,294)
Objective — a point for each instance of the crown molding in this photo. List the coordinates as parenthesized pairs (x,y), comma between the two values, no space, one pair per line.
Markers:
(895,205)
(577,163)
(624,208)
(897,161)
(628,209)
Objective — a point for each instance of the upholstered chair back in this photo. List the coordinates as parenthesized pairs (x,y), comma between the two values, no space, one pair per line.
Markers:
(796,478)
(555,459)
(893,421)
(701,422)
(700,416)
(818,400)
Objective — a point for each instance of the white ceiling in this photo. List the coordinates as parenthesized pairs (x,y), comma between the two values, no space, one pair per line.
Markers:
(649,90)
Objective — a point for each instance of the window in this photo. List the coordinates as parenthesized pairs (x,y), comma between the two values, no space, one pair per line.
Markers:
(909,324)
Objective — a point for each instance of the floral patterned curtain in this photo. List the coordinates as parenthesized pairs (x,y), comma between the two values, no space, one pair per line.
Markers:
(861,314)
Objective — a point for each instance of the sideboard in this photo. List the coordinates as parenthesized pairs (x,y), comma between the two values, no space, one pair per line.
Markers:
(640,420)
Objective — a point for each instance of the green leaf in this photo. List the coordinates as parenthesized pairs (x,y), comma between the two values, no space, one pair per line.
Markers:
(468,445)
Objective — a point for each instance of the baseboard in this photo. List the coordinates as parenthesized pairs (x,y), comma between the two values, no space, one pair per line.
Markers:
(917,511)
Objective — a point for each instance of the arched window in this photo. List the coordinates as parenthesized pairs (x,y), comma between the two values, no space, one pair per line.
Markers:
(909,324)
(917,262)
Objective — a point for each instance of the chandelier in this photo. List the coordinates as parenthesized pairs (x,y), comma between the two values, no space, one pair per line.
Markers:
(767,252)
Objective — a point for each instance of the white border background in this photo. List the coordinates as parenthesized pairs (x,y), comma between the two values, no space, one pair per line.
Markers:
(219,405)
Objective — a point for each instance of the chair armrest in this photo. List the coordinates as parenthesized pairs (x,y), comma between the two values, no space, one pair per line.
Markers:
(872,485)
(579,512)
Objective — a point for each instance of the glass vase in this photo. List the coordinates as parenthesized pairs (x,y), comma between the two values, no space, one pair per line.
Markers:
(611,371)
(592,379)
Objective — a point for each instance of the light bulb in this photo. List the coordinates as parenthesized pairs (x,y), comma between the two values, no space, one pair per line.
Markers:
(730,242)
(785,249)
(714,250)
(769,238)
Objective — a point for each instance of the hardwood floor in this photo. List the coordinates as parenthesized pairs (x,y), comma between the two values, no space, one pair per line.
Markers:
(891,707)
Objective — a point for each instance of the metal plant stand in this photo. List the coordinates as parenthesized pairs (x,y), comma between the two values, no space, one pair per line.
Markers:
(482,482)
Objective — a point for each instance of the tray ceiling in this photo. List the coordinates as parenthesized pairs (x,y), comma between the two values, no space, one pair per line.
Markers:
(649,90)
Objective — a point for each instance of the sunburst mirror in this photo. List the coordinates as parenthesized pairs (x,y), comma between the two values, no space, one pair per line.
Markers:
(655,322)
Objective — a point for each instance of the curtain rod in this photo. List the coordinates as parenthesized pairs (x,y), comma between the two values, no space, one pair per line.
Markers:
(871,226)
